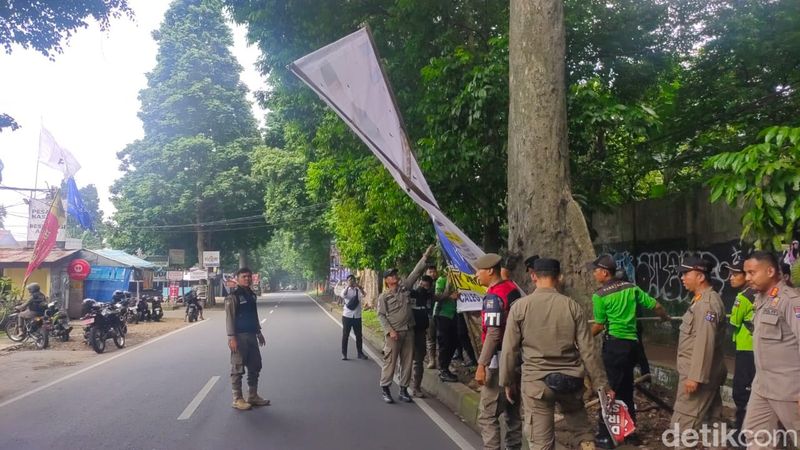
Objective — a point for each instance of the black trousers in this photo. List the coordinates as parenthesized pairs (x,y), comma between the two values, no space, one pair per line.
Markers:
(619,357)
(641,356)
(446,337)
(464,345)
(354,324)
(743,376)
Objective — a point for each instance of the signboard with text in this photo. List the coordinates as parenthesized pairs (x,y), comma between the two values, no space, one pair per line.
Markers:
(37,212)
(210,259)
(177,257)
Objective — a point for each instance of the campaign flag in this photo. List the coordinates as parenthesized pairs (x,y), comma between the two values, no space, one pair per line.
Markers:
(616,417)
(348,76)
(75,206)
(47,238)
(53,155)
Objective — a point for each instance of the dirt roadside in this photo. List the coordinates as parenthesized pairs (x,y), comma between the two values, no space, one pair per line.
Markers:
(23,368)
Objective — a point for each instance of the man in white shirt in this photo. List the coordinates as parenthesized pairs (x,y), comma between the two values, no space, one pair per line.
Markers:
(353,296)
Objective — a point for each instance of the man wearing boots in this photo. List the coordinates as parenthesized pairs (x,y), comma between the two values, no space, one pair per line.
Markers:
(244,338)
(395,314)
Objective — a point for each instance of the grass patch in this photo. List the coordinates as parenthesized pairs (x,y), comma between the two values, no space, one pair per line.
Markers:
(369,319)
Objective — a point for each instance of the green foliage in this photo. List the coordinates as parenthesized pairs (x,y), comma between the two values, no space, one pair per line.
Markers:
(765,179)
(188,181)
(655,87)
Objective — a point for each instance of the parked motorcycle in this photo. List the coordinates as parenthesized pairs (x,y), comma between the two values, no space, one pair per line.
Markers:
(36,330)
(158,312)
(142,310)
(58,321)
(103,322)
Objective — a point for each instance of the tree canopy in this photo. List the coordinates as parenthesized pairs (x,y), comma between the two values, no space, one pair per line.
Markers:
(187,184)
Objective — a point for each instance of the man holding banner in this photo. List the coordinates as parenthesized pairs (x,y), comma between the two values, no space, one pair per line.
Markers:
(394,307)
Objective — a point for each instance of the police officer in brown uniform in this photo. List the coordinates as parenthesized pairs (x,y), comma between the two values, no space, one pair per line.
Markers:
(701,369)
(244,338)
(394,307)
(775,394)
(551,334)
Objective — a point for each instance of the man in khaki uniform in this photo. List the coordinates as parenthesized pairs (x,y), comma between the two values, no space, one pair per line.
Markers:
(701,369)
(397,320)
(775,394)
(551,334)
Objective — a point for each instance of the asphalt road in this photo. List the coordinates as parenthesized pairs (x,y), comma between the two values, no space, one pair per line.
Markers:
(151,396)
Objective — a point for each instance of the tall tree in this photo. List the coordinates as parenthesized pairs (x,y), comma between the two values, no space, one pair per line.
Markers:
(187,183)
(543,217)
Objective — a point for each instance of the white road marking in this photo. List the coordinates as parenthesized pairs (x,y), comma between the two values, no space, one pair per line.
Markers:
(192,407)
(262,322)
(272,311)
(97,364)
(451,432)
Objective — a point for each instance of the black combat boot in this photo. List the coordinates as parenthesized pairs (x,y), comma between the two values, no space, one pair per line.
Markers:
(404,395)
(387,394)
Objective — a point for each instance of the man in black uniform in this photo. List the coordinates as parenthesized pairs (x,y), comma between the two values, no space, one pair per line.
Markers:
(244,338)
(422,299)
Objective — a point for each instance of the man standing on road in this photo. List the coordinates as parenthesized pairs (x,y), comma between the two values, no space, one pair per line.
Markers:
(353,296)
(244,338)
(421,306)
(776,342)
(614,306)
(499,298)
(430,337)
(701,369)
(742,323)
(551,335)
(446,331)
(397,321)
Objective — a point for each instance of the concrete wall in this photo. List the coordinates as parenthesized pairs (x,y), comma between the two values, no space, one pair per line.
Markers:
(649,238)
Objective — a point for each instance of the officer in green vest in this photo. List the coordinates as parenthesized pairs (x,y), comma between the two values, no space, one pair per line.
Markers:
(742,323)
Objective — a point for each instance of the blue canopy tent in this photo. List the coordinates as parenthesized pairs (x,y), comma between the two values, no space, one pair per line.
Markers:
(104,280)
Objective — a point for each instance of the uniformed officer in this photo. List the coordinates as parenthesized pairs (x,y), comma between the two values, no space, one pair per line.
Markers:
(430,336)
(550,333)
(244,338)
(397,320)
(701,369)
(501,294)
(776,343)
(742,323)
(615,308)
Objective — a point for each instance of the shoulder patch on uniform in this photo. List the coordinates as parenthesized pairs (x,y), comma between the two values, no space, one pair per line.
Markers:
(797,312)
(736,303)
(614,286)
(711,316)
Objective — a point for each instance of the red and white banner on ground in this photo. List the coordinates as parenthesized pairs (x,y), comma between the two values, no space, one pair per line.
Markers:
(616,417)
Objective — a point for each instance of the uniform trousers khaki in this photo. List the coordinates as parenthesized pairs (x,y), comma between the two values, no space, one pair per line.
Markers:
(704,406)
(539,402)
(493,404)
(398,351)
(247,357)
(761,422)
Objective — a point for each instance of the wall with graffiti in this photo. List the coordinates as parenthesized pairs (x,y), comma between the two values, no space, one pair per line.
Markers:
(657,271)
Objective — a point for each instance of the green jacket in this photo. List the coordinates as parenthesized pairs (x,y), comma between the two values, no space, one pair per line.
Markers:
(742,320)
(614,305)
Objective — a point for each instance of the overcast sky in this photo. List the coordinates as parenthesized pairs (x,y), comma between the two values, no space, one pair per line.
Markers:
(87,98)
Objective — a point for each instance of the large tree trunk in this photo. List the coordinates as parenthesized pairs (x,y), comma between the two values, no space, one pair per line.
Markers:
(543,218)
(200,236)
(242,257)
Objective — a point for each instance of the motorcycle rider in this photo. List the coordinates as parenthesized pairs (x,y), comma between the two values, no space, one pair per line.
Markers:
(33,308)
(193,299)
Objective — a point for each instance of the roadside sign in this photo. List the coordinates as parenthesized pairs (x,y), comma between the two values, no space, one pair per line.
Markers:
(177,257)
(175,275)
(173,291)
(210,259)
(256,278)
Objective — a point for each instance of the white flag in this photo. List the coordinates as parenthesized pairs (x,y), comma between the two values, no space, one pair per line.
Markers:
(53,155)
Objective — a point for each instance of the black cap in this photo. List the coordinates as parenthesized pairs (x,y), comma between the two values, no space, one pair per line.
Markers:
(695,263)
(530,261)
(603,262)
(546,265)
(738,267)
(390,272)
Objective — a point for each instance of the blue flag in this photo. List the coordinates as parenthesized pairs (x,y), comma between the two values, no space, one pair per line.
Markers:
(75,206)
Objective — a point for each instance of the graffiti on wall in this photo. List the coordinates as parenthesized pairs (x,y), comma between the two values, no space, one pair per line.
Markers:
(657,272)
